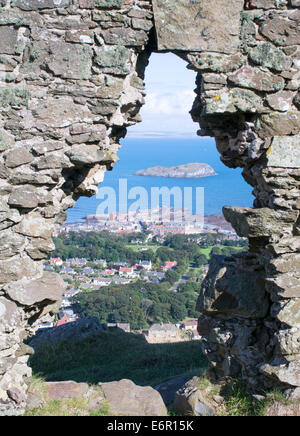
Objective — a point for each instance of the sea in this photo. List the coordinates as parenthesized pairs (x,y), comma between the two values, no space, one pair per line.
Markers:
(227,188)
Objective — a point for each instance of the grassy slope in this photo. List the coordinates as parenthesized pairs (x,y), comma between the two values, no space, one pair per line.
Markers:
(108,356)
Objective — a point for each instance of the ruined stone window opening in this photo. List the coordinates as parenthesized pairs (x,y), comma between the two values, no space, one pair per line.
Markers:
(71,83)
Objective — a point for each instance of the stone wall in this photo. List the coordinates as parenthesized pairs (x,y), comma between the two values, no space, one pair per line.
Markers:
(249,102)
(71,81)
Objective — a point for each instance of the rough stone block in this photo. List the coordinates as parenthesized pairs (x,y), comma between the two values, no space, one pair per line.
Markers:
(278,124)
(9,314)
(198,25)
(85,154)
(33,224)
(215,62)
(257,223)
(193,401)
(18,156)
(268,56)
(281,101)
(8,40)
(50,287)
(125,36)
(265,4)
(6,141)
(288,312)
(284,152)
(126,398)
(70,61)
(7,63)
(280,31)
(116,59)
(230,288)
(79,36)
(66,390)
(34,5)
(254,78)
(10,243)
(279,409)
(286,263)
(284,286)
(60,113)
(285,372)
(52,161)
(102,4)
(17,268)
(289,340)
(24,197)
(233,100)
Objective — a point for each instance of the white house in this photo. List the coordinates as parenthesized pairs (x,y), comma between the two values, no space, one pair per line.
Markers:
(126,272)
(146,264)
(101,282)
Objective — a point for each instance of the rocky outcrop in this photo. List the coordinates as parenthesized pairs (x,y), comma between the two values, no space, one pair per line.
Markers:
(187,171)
(126,398)
(190,399)
(278,409)
(71,81)
(69,398)
(119,398)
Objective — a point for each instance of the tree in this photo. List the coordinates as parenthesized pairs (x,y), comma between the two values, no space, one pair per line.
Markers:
(200,260)
(178,311)
(147,306)
(216,251)
(172,276)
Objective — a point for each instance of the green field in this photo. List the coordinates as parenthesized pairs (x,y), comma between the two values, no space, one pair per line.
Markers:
(154,247)
(137,247)
(207,250)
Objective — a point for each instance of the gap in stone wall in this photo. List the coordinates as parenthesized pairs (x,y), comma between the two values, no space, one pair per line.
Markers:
(165,120)
(166,135)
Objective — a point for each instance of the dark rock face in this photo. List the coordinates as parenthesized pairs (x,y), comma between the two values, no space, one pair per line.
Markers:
(233,288)
(71,82)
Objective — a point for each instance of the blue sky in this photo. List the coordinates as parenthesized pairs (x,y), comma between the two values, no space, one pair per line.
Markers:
(170,95)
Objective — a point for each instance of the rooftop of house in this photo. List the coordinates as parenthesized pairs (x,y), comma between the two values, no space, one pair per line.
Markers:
(190,323)
(125,269)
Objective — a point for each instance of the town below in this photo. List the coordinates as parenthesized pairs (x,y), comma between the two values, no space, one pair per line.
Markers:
(138,275)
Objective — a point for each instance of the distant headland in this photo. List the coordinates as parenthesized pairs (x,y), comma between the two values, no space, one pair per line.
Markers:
(187,171)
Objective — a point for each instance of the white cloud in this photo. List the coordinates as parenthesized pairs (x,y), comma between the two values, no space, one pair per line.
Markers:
(169,99)
(179,103)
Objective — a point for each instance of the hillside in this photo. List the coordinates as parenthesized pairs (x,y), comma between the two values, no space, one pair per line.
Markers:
(113,355)
(110,356)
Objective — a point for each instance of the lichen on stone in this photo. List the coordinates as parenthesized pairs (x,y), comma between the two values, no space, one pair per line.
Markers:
(13,96)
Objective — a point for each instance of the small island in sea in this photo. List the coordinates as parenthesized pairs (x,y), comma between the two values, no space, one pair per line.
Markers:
(187,171)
